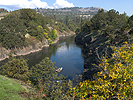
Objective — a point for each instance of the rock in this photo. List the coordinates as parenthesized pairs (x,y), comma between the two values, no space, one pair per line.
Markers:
(31,48)
(22,51)
(91,43)
(83,39)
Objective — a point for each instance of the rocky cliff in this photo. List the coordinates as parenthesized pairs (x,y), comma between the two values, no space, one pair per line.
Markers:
(31,48)
(94,47)
(4,53)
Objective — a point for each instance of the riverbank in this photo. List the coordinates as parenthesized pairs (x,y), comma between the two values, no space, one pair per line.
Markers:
(4,53)
(93,46)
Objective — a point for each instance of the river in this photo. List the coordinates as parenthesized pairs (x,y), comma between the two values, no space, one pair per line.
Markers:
(65,53)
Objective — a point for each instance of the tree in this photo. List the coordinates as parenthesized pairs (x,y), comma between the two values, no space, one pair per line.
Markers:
(100,10)
(18,23)
(71,25)
(54,33)
(99,21)
(54,17)
(66,20)
(130,21)
(115,79)
(86,26)
(16,68)
(77,31)
(50,85)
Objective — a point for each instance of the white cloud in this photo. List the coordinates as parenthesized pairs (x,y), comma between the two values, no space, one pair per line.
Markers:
(62,4)
(17,4)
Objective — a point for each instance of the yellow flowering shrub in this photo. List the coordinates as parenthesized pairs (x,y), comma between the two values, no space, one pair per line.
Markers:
(50,41)
(115,79)
(46,35)
(39,26)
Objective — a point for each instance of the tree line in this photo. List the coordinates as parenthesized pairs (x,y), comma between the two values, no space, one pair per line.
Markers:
(114,79)
(111,23)
(18,23)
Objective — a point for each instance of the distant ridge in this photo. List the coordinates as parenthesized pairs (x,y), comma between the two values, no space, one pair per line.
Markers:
(72,12)
(71,9)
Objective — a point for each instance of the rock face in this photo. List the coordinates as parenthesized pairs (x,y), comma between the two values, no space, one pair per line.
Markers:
(4,53)
(31,48)
(93,45)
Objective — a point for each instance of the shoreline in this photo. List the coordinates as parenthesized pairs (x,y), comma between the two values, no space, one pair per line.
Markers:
(33,51)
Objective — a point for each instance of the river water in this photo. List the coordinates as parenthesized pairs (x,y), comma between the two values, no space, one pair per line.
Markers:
(65,54)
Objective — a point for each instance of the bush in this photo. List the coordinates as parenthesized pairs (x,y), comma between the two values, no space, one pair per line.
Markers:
(16,68)
(115,79)
(54,34)
(46,79)
(44,70)
(49,85)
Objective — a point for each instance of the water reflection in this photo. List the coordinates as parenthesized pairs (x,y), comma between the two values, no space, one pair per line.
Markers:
(70,57)
(65,54)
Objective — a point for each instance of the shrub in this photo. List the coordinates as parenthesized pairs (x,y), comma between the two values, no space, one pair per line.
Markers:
(16,68)
(54,33)
(115,79)
(46,79)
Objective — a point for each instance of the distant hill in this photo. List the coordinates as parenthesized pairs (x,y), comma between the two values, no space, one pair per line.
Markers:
(61,13)
(3,10)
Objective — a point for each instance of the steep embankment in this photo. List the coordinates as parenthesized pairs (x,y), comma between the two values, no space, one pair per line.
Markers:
(111,28)
(25,31)
(94,47)
(31,48)
(4,53)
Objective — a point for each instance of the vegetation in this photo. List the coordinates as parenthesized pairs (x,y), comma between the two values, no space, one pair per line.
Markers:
(2,10)
(72,12)
(44,80)
(105,32)
(109,60)
(16,25)
(112,23)
(9,89)
(61,27)
(16,68)
(49,84)
(104,29)
(54,34)
(113,81)
(71,17)
(115,78)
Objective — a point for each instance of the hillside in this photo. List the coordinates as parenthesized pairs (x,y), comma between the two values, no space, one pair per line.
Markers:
(39,82)
(102,31)
(61,13)
(107,40)
(3,12)
(24,31)
(9,89)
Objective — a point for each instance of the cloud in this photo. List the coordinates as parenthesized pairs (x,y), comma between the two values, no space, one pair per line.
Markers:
(62,4)
(17,4)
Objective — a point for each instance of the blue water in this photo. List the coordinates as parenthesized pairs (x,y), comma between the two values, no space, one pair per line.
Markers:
(65,54)
(69,56)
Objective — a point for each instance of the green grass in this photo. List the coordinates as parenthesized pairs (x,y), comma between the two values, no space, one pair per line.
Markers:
(9,89)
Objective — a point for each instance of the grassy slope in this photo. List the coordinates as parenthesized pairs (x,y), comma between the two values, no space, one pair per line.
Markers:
(9,89)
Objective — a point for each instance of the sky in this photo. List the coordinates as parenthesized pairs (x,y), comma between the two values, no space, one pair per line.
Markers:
(119,5)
